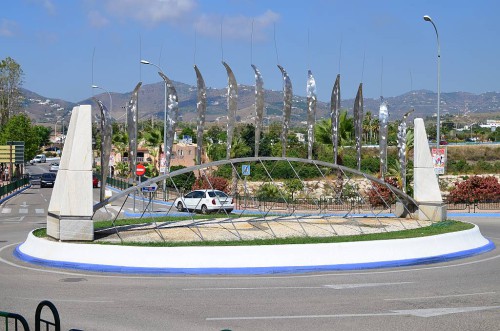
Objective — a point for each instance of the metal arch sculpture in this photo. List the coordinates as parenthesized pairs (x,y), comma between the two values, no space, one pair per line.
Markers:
(201,107)
(311,112)
(232,104)
(107,133)
(172,114)
(358,122)
(383,116)
(334,115)
(132,118)
(259,107)
(287,108)
(401,196)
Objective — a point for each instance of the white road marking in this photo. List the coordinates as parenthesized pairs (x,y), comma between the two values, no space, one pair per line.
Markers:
(14,219)
(414,312)
(441,296)
(70,300)
(335,287)
(39,211)
(348,286)
(23,210)
(443,311)
(6,210)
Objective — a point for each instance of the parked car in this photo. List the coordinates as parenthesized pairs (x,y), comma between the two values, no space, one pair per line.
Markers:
(40,158)
(95,181)
(205,201)
(54,167)
(47,179)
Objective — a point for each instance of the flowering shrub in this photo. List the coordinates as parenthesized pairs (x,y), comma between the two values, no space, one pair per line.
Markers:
(476,189)
(380,195)
(217,183)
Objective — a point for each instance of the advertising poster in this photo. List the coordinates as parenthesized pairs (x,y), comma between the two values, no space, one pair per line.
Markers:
(439,160)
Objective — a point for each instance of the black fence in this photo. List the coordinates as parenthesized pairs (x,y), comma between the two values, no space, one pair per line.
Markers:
(474,207)
(14,321)
(13,186)
(308,204)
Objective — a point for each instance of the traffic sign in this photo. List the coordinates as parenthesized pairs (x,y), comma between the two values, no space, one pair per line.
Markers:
(150,188)
(245,169)
(140,170)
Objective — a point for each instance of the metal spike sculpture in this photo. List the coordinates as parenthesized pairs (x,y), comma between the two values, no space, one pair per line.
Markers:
(132,116)
(311,112)
(201,107)
(358,122)
(383,117)
(232,104)
(106,134)
(172,114)
(334,115)
(402,149)
(259,107)
(287,108)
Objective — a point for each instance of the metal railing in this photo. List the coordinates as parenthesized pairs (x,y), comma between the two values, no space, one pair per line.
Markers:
(16,320)
(13,186)
(473,207)
(307,204)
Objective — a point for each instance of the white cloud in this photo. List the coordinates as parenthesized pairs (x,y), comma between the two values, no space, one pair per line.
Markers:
(7,28)
(96,19)
(150,11)
(235,27)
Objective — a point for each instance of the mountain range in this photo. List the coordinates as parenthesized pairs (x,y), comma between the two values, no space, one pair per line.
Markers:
(151,104)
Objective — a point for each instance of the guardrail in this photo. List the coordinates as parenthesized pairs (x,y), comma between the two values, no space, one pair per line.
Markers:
(13,186)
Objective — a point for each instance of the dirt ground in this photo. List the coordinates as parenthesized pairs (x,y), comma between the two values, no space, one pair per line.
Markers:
(248,228)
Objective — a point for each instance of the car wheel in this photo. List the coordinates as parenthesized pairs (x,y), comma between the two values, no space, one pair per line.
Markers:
(180,207)
(204,209)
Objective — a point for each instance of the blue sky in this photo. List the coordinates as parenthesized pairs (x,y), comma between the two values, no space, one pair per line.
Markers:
(54,41)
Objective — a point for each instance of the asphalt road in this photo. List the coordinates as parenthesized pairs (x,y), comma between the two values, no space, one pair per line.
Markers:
(457,295)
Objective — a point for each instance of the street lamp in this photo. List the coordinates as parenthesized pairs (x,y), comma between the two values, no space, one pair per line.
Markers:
(164,121)
(110,99)
(438,137)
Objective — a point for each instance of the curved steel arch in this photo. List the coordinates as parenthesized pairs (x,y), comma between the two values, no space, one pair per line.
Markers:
(403,196)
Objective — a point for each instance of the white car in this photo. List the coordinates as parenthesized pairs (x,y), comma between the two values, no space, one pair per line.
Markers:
(40,158)
(54,167)
(205,201)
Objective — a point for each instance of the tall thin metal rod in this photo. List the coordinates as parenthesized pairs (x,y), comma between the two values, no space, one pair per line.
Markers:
(438,124)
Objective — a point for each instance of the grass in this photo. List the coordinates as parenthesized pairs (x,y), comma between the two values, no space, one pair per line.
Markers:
(434,229)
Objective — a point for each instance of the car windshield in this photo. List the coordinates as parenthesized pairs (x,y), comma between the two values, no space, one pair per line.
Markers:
(48,176)
(219,194)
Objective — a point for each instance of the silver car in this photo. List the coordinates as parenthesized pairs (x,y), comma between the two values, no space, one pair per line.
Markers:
(205,201)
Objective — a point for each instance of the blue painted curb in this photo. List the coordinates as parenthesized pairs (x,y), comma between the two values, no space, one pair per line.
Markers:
(252,271)
(14,194)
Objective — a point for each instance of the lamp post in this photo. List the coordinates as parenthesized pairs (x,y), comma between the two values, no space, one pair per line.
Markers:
(164,122)
(109,94)
(438,137)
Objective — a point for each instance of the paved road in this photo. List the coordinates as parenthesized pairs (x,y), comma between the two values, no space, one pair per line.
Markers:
(458,295)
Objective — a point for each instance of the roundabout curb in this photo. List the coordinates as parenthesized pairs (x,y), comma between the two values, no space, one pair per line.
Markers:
(265,259)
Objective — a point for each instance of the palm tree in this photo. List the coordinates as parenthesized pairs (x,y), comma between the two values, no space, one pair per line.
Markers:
(323,131)
(153,138)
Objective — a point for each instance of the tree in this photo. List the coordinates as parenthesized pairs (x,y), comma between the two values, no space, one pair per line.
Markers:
(153,139)
(19,128)
(10,93)
(293,185)
(43,134)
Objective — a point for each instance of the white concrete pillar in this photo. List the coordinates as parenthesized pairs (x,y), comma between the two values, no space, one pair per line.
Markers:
(71,205)
(426,185)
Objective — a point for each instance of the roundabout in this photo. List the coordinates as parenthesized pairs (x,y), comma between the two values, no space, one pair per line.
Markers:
(252,259)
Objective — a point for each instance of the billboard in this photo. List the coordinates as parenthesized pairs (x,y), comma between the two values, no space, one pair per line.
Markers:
(438,160)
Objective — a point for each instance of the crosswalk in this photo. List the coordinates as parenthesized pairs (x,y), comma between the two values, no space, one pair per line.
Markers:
(22,210)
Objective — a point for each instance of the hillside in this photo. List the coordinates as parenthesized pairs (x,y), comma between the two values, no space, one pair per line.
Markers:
(45,110)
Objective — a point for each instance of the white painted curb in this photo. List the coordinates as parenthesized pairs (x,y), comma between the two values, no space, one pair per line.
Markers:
(358,255)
